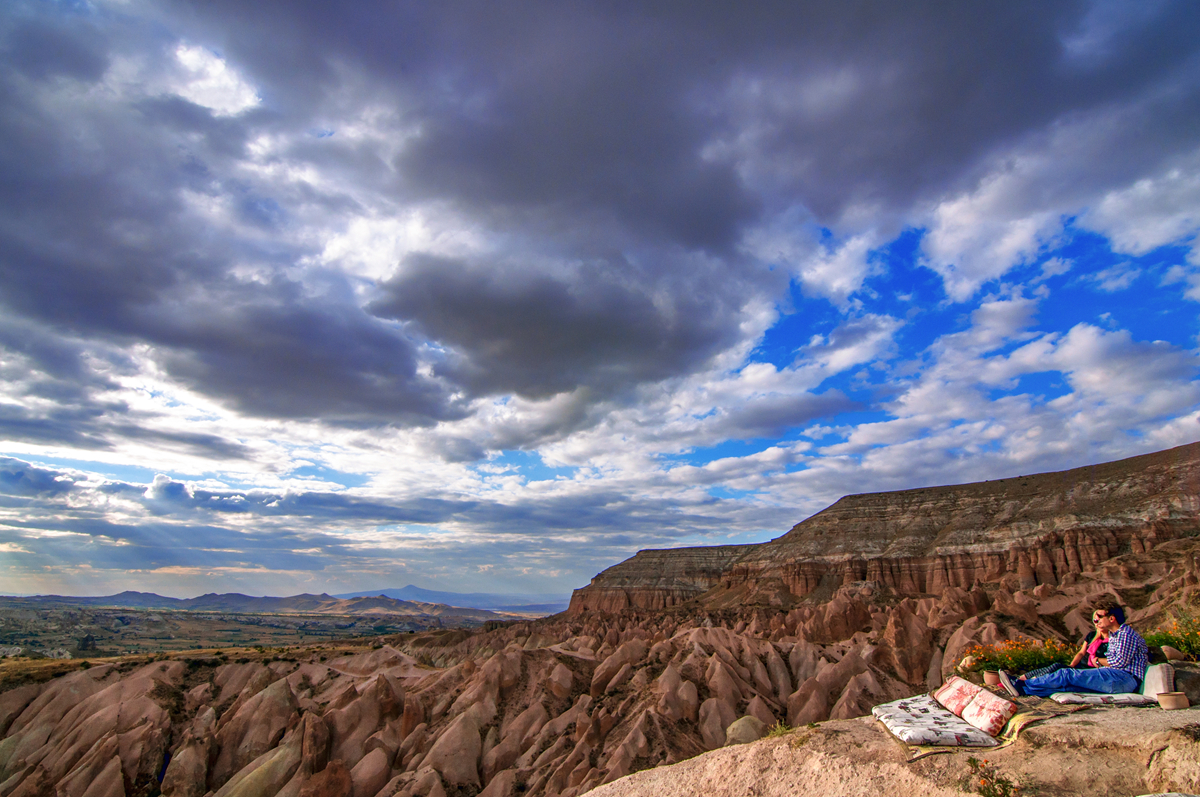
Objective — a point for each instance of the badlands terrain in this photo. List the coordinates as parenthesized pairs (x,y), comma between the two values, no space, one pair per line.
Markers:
(875,598)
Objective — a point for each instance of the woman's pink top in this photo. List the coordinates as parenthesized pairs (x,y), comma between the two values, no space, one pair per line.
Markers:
(1092,647)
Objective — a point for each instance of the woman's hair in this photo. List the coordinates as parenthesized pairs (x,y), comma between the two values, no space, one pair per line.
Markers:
(1111,608)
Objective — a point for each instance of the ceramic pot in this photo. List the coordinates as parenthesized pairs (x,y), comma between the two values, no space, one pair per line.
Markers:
(1172,700)
(991,677)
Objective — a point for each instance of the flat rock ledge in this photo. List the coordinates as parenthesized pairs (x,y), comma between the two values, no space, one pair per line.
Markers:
(1131,751)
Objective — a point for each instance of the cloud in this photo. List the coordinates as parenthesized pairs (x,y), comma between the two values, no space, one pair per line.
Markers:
(1154,211)
(606,328)
(212,84)
(544,283)
(21,478)
(1116,278)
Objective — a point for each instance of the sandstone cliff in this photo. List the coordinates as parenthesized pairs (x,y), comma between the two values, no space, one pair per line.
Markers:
(1019,532)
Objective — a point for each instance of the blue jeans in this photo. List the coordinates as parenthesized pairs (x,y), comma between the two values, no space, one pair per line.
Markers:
(1108,680)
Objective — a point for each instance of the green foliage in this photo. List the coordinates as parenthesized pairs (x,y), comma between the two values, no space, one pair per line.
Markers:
(986,780)
(778,729)
(1183,634)
(1016,655)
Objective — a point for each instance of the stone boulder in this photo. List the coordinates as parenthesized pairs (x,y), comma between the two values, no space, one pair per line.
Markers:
(747,729)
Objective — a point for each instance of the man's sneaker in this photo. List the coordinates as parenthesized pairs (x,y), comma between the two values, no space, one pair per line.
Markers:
(1008,684)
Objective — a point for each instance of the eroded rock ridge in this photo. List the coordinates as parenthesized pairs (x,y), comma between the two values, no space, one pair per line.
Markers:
(1020,532)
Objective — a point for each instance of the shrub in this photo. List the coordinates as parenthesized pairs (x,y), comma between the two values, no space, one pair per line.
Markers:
(1017,655)
(778,729)
(1183,634)
(985,779)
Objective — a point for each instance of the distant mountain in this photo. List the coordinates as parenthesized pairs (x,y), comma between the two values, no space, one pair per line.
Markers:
(295,604)
(549,603)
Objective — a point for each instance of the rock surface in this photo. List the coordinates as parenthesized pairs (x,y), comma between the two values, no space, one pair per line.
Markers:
(1129,751)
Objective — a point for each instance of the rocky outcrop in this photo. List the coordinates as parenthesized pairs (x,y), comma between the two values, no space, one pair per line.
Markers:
(1021,532)
(657,579)
(1129,752)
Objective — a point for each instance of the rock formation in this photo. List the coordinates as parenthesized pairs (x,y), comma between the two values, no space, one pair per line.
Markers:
(1020,532)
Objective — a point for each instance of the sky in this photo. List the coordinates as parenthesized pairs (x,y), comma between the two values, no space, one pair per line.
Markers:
(304,297)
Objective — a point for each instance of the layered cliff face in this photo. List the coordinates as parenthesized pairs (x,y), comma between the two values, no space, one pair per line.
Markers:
(1020,532)
(658,579)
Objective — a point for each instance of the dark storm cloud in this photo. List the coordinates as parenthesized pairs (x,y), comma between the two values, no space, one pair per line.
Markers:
(21,478)
(96,242)
(609,108)
(297,358)
(41,48)
(627,145)
(536,335)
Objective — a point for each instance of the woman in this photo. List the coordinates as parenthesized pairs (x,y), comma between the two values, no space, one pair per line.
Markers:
(1094,648)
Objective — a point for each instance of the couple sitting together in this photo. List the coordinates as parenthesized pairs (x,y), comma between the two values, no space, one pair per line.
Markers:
(1119,668)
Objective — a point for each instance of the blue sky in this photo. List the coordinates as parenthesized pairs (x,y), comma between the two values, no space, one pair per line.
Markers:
(300,298)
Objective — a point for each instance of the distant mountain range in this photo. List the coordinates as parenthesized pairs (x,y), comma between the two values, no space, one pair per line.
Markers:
(295,604)
(548,603)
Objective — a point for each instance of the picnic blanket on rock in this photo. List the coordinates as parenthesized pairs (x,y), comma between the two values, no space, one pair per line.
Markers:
(960,714)
(922,720)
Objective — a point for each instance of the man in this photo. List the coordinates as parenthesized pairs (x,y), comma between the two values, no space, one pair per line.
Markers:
(1122,670)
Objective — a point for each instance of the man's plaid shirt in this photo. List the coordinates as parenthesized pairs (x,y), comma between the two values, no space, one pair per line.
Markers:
(1127,651)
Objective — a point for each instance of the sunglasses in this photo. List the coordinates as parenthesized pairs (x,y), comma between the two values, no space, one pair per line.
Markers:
(1098,618)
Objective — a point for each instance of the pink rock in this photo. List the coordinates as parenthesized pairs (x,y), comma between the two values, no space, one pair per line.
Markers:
(515,739)
(758,708)
(14,701)
(861,693)
(314,743)
(333,781)
(428,784)
(268,773)
(809,703)
(560,681)
(456,752)
(715,716)
(620,678)
(240,682)
(781,679)
(187,773)
(91,769)
(370,774)
(803,660)
(109,782)
(503,785)
(628,653)
(722,683)
(910,643)
(257,727)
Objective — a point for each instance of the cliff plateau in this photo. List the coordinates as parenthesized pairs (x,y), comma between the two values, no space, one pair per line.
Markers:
(1019,533)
